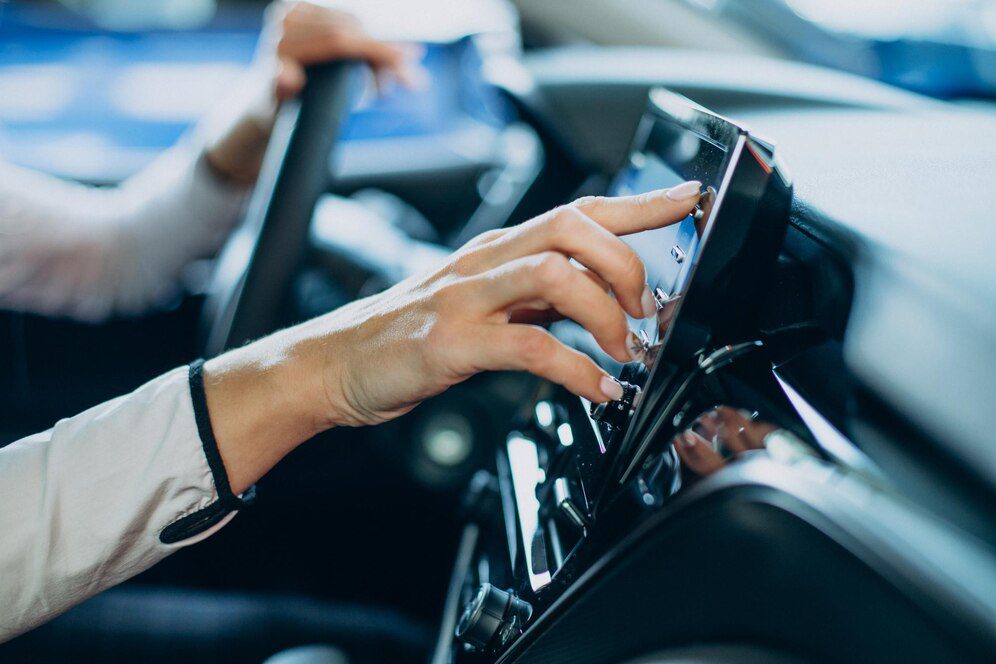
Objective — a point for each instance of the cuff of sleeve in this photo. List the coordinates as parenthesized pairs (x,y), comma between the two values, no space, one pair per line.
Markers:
(200,521)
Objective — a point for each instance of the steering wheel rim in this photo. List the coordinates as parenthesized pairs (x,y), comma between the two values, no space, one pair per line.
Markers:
(254,271)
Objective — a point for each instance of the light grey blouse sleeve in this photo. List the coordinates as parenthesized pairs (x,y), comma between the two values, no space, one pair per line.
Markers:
(83,505)
(89,253)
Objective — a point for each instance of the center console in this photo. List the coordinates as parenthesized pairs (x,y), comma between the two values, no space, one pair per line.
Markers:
(575,481)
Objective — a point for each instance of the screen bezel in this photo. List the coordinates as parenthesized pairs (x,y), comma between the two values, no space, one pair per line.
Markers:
(669,107)
(687,336)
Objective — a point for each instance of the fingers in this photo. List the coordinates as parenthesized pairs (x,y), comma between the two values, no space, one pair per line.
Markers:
(533,349)
(697,453)
(311,34)
(380,55)
(587,231)
(549,280)
(622,215)
(572,233)
(733,430)
(545,315)
(721,427)
(403,67)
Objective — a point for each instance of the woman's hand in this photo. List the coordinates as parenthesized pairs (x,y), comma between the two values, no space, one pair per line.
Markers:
(295,35)
(311,34)
(377,358)
(722,428)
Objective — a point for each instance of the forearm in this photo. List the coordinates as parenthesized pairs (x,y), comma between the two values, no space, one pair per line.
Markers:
(264,400)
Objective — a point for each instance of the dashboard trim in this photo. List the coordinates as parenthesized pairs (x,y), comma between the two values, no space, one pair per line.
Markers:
(854,515)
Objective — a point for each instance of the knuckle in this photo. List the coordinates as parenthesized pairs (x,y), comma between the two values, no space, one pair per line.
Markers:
(487,237)
(565,220)
(550,269)
(465,262)
(534,348)
(558,222)
(645,199)
(588,203)
(490,236)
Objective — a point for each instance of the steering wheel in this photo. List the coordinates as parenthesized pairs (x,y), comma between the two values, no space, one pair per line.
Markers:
(254,272)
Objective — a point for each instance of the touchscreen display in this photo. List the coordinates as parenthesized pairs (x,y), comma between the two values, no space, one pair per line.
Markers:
(671,154)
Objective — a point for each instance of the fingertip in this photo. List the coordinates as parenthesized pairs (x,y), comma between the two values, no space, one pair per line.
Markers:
(611,388)
(648,303)
(684,192)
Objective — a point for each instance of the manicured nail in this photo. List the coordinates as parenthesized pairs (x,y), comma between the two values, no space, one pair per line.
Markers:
(684,191)
(648,303)
(611,388)
(687,440)
(635,347)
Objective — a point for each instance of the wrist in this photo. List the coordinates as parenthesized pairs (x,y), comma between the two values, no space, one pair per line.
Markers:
(264,400)
(237,142)
(237,156)
(319,372)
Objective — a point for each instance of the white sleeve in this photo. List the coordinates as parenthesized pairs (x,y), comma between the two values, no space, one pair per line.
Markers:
(90,502)
(89,253)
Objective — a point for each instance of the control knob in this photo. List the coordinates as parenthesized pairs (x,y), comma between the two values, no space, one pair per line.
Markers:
(615,414)
(492,613)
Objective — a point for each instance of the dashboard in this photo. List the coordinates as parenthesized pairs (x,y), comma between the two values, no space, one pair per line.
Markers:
(600,521)
(801,468)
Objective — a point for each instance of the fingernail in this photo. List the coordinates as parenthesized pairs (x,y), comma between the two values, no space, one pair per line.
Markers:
(635,348)
(648,303)
(611,388)
(684,191)
(687,440)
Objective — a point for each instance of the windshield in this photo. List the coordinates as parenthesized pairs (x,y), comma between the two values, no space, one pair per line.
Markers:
(944,48)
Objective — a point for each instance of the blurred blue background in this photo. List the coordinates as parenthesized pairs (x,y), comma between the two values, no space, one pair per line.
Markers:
(93,89)
(96,103)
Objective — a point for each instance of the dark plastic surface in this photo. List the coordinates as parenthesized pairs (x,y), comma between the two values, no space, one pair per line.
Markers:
(255,270)
(893,204)
(800,561)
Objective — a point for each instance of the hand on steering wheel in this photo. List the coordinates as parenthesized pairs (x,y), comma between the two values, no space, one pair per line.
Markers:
(260,261)
(310,34)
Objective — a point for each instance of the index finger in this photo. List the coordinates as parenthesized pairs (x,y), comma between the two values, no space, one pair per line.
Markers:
(623,215)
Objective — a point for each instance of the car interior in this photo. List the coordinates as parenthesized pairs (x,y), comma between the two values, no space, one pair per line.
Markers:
(833,296)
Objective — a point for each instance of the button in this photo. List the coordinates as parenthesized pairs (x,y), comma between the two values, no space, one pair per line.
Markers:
(677,254)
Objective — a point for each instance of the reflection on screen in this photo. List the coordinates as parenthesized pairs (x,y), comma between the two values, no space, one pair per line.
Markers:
(672,155)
